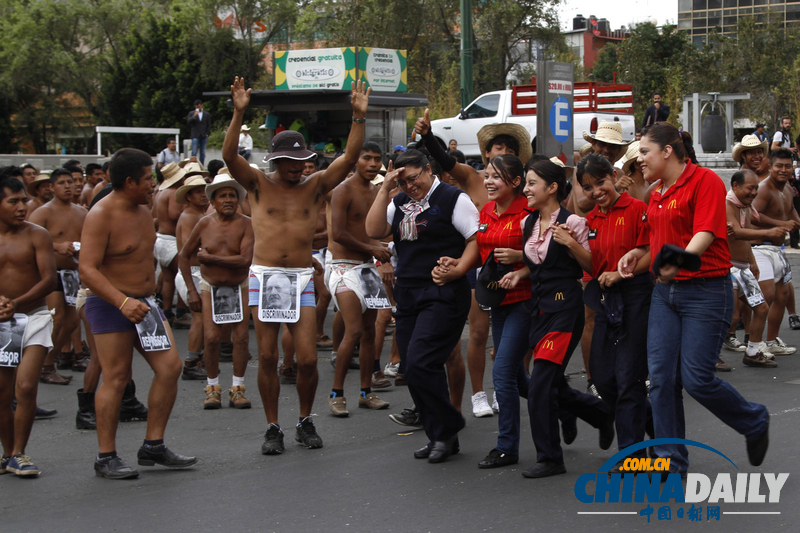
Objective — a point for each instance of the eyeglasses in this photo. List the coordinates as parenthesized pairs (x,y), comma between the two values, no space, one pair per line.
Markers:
(410,181)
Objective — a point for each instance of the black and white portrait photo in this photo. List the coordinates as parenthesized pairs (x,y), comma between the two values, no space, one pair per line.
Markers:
(71,283)
(151,330)
(373,290)
(11,335)
(226,304)
(280,297)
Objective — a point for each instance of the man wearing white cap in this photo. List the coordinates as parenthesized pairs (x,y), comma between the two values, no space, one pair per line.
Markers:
(285,206)
(245,142)
(222,244)
(192,196)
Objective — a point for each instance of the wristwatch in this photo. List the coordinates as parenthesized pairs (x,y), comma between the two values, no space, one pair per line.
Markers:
(359,120)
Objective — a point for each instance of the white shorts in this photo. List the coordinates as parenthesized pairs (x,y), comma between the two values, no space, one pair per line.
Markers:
(180,284)
(772,264)
(166,249)
(40,329)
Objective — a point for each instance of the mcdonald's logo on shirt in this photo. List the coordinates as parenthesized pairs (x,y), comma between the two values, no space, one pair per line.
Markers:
(672,205)
(559,296)
(547,345)
(620,222)
(509,225)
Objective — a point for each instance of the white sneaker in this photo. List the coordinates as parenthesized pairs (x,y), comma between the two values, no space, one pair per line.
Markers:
(781,348)
(495,405)
(391,370)
(733,344)
(480,405)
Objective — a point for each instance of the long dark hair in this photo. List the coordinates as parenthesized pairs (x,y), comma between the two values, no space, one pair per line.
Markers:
(665,134)
(593,165)
(509,167)
(550,173)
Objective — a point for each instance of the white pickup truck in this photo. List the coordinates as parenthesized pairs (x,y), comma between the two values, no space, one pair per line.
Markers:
(593,103)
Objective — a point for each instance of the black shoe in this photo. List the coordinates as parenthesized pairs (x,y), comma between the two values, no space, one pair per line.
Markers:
(306,434)
(794,322)
(86,418)
(409,417)
(273,441)
(442,449)
(114,468)
(194,370)
(757,448)
(163,456)
(607,434)
(496,459)
(569,430)
(131,408)
(44,414)
(423,452)
(545,469)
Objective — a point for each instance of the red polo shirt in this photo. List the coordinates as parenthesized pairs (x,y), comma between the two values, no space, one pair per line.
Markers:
(505,231)
(695,203)
(613,234)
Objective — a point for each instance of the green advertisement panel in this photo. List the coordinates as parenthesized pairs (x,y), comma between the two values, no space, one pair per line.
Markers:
(383,69)
(323,68)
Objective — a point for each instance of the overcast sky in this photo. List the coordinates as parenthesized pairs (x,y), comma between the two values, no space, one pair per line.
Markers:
(619,13)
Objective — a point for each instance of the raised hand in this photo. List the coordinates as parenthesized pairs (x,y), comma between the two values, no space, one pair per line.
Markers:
(423,124)
(360,98)
(390,179)
(240,96)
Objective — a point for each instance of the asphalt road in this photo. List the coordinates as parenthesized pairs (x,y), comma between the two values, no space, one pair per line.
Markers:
(365,478)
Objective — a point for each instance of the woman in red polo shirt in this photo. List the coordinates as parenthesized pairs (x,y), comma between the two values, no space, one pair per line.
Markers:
(619,343)
(500,231)
(690,312)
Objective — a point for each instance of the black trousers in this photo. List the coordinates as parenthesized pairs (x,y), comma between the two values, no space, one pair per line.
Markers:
(429,321)
(549,392)
(619,363)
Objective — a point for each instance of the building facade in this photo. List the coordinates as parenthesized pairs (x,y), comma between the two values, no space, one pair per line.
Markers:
(698,18)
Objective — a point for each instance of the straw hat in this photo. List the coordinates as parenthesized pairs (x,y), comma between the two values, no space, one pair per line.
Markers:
(608,132)
(195,169)
(749,142)
(569,170)
(630,157)
(31,187)
(172,174)
(189,184)
(586,149)
(377,180)
(487,133)
(245,127)
(223,179)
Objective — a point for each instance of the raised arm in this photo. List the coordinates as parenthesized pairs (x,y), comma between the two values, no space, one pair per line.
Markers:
(239,168)
(341,166)
(376,225)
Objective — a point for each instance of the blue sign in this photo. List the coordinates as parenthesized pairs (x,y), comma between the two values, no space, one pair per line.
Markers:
(561,119)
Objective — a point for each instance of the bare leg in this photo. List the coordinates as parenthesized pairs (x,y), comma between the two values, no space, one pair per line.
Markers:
(757,323)
(338,330)
(776,311)
(382,319)
(268,385)
(27,384)
(323,301)
(92,376)
(306,352)
(115,352)
(7,377)
(350,309)
(212,335)
(241,338)
(168,285)
(287,344)
(64,323)
(166,367)
(790,307)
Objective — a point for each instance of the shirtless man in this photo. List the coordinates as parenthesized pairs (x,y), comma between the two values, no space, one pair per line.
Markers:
(64,221)
(94,175)
(29,274)
(751,154)
(191,195)
(285,209)
(167,211)
(222,244)
(117,265)
(504,139)
(29,173)
(776,209)
(744,186)
(100,184)
(353,251)
(78,179)
(40,192)
(288,369)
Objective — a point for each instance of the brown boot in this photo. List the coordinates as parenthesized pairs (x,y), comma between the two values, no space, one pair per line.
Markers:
(49,375)
(213,397)
(194,369)
(237,399)
(64,360)
(80,361)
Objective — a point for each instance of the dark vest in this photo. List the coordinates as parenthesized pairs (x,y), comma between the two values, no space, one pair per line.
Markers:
(436,236)
(554,283)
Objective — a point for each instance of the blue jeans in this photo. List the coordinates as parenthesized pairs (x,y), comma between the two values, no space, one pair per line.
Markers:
(688,323)
(199,144)
(510,326)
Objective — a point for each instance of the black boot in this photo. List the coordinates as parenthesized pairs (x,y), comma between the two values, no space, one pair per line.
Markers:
(85,419)
(131,409)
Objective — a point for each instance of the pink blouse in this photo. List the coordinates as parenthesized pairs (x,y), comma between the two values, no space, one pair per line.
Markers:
(536,247)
